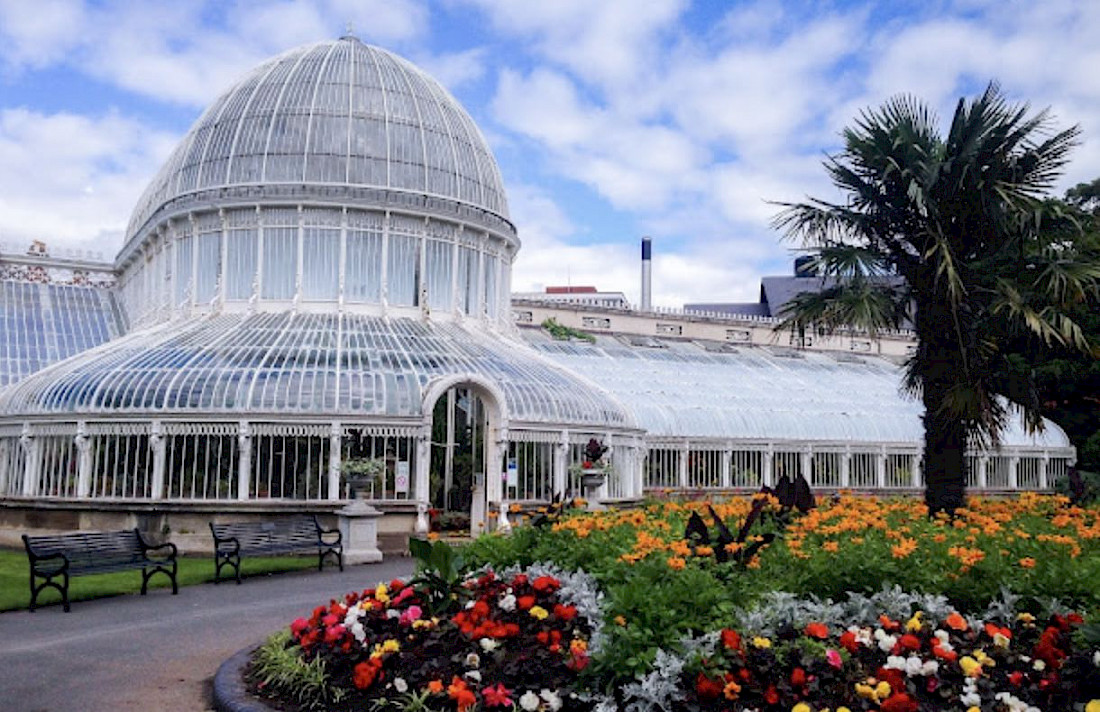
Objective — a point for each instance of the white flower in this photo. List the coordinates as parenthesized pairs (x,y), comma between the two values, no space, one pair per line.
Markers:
(1039,665)
(1096,658)
(970,699)
(488,644)
(358,631)
(393,613)
(474,675)
(913,665)
(529,701)
(472,660)
(895,662)
(507,602)
(943,636)
(400,685)
(886,643)
(879,634)
(553,701)
(930,668)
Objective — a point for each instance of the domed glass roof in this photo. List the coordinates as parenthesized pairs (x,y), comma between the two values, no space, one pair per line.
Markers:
(319,364)
(335,112)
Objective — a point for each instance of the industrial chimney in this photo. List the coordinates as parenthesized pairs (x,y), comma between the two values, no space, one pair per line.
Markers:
(647,274)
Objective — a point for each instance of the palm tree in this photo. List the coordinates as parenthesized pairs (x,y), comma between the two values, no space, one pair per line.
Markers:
(951,233)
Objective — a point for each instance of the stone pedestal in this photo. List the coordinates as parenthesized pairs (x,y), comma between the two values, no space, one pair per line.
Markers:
(359,528)
(592,482)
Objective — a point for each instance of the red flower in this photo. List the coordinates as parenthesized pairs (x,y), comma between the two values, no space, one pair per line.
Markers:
(888,624)
(798,677)
(525,603)
(909,642)
(991,630)
(895,677)
(1016,678)
(545,584)
(520,580)
(707,688)
(731,639)
(565,613)
(366,672)
(817,630)
(298,626)
(848,642)
(899,702)
(772,695)
(497,696)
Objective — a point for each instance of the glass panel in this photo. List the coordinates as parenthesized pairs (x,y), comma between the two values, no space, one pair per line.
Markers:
(209,267)
(320,263)
(363,278)
(240,268)
(440,262)
(402,270)
(183,269)
(491,306)
(280,262)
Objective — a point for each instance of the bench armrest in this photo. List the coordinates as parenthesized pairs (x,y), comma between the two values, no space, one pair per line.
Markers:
(168,550)
(36,558)
(322,533)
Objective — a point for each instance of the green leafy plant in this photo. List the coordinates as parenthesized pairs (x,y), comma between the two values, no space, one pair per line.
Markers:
(438,573)
(562,332)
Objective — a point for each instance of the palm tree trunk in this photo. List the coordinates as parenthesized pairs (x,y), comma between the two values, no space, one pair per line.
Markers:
(945,435)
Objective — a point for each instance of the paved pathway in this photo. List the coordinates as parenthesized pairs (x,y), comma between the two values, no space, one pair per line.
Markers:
(156,653)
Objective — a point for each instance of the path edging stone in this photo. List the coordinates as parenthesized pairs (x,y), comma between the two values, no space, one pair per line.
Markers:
(230,692)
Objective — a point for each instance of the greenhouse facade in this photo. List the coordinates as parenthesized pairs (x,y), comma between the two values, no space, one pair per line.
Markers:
(317,284)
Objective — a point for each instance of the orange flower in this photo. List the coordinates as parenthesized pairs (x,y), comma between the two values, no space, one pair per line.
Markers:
(676,563)
(956,622)
(435,687)
(831,546)
(1027,562)
(463,696)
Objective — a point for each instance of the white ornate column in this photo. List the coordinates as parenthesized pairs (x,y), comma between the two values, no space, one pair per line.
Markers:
(5,449)
(1014,472)
(726,464)
(335,443)
(1044,463)
(31,465)
(158,445)
(768,461)
(561,464)
(880,468)
(84,460)
(494,476)
(846,467)
(682,474)
(807,464)
(244,460)
(983,461)
(917,473)
(422,484)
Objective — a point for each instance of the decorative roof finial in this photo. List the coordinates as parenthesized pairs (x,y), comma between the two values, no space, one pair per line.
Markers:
(349,29)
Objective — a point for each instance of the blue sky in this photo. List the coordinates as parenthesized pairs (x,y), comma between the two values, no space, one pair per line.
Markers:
(610,119)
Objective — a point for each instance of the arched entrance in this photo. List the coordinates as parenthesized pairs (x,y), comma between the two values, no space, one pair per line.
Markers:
(465,453)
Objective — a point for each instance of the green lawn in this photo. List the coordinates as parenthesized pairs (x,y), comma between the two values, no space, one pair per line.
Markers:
(15,573)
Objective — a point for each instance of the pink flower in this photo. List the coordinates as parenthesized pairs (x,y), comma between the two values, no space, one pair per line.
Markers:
(834,659)
(298,626)
(411,614)
(497,696)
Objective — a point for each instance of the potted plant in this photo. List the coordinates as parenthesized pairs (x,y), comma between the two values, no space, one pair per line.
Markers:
(593,469)
(363,474)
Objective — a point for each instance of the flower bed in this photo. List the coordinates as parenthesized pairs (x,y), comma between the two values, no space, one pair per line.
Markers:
(659,623)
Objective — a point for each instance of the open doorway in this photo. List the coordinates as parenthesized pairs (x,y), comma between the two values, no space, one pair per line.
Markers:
(456,480)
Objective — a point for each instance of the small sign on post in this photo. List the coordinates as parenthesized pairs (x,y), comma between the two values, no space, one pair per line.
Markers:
(401,477)
(512,473)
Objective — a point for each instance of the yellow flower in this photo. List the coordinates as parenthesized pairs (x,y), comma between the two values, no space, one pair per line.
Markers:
(1093,706)
(761,642)
(975,708)
(801,707)
(1027,618)
(538,612)
(619,620)
(970,666)
(882,690)
(914,624)
(382,593)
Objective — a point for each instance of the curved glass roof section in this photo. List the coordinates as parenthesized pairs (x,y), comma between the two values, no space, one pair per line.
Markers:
(327,365)
(335,112)
(713,391)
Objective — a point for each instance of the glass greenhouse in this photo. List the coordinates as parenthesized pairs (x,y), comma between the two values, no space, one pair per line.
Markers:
(319,276)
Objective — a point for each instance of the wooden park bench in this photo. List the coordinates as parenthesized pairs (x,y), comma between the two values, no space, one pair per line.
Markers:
(284,536)
(60,556)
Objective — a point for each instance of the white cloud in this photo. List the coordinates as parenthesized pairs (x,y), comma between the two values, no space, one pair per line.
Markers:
(71,179)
